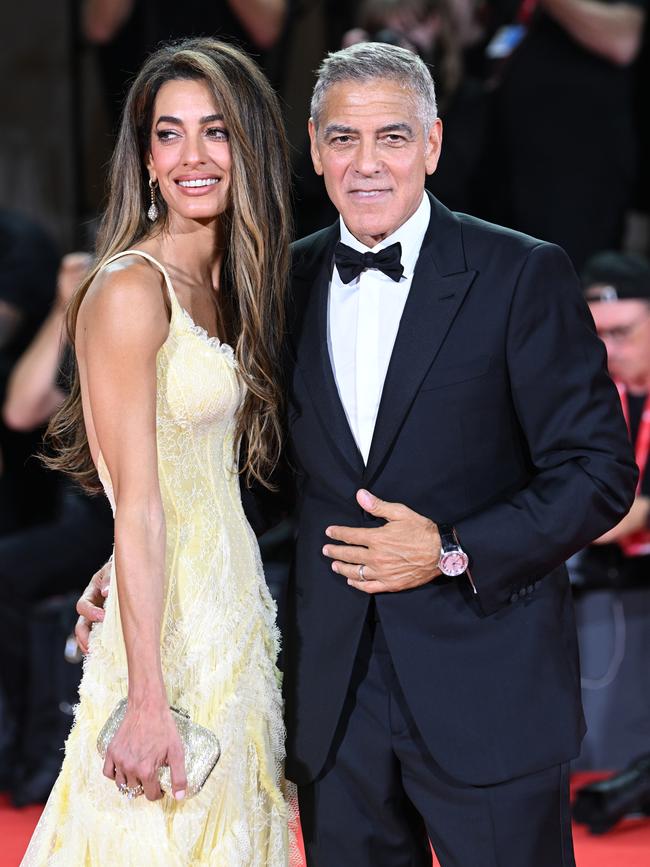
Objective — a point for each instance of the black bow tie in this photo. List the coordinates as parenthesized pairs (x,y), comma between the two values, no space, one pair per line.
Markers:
(351,263)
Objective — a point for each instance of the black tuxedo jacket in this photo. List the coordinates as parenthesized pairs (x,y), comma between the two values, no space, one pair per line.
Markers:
(497,415)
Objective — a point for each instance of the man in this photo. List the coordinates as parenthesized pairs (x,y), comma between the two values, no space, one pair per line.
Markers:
(453,372)
(613,576)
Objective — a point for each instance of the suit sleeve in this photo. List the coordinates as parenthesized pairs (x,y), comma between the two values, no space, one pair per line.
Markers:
(583,474)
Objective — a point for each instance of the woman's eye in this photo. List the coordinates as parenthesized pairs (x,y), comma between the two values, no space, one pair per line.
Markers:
(217,133)
(166,134)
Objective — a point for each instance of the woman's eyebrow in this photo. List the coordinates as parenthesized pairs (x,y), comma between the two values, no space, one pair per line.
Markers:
(169,118)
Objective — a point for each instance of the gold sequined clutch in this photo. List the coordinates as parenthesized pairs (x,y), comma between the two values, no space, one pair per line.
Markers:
(201,747)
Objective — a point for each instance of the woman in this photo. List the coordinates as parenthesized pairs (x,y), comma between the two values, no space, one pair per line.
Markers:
(177,339)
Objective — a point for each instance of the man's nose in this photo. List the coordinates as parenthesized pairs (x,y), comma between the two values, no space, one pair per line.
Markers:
(367,160)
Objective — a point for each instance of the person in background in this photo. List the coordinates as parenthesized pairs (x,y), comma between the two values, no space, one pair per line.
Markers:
(28,271)
(126,31)
(563,155)
(42,561)
(612,577)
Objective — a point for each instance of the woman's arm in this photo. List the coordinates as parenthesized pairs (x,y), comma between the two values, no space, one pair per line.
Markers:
(612,30)
(32,393)
(102,19)
(262,19)
(122,324)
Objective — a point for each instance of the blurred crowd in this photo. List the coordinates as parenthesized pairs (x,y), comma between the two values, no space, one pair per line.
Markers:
(546,130)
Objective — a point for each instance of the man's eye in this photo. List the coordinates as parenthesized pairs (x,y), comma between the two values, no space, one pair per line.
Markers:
(342,139)
(393,138)
(217,133)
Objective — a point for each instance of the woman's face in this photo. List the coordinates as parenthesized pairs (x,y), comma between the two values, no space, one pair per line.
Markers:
(190,152)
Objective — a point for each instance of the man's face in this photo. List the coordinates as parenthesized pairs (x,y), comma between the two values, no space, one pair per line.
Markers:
(624,327)
(374,155)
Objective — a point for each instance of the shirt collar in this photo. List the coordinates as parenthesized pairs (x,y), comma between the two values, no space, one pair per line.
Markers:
(410,235)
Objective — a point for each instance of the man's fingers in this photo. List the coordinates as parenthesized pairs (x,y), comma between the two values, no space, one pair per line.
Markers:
(382,508)
(101,579)
(91,603)
(346,553)
(88,609)
(82,634)
(352,535)
(351,571)
(367,586)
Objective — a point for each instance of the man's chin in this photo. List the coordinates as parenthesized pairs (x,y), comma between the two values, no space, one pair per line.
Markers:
(375,226)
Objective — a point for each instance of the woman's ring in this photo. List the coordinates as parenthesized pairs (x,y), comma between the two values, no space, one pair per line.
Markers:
(361,575)
(130,792)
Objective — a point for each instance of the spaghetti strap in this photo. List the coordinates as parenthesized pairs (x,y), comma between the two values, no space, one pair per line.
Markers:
(153,261)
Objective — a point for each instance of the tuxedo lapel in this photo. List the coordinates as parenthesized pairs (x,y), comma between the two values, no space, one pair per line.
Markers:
(312,279)
(440,283)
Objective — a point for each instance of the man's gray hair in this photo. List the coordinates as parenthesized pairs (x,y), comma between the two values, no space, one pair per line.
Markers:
(369,61)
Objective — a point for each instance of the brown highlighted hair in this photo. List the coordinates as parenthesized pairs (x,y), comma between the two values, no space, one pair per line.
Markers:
(256,234)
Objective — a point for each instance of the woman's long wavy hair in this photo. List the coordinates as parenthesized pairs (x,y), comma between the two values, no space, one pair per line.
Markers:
(255,234)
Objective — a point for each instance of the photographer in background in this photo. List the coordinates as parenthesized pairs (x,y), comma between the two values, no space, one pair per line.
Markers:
(612,577)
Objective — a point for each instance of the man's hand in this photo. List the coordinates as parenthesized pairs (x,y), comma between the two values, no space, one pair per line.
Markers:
(401,555)
(90,606)
(635,520)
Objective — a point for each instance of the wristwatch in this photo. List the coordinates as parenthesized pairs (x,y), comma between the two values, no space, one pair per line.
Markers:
(453,560)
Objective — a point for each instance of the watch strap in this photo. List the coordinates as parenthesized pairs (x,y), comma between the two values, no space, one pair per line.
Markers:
(448,537)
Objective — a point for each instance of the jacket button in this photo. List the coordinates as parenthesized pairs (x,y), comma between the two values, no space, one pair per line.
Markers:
(514,597)
(522,593)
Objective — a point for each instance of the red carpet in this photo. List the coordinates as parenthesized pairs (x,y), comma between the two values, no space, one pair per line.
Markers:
(627,845)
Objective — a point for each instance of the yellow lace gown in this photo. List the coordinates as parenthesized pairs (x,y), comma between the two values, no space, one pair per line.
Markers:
(219,647)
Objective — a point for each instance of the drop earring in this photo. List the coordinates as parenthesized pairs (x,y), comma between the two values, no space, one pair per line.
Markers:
(152,213)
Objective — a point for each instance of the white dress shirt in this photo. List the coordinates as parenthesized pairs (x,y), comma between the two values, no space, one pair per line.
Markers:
(362,323)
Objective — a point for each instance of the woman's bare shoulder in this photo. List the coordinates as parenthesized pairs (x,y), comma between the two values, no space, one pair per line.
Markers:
(127,296)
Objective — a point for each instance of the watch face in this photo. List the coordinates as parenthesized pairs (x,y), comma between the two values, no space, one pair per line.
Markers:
(453,563)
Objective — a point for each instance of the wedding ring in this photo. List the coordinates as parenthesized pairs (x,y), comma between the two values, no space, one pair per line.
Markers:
(130,792)
(361,575)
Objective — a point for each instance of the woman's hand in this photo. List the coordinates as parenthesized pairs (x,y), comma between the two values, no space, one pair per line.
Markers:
(146,740)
